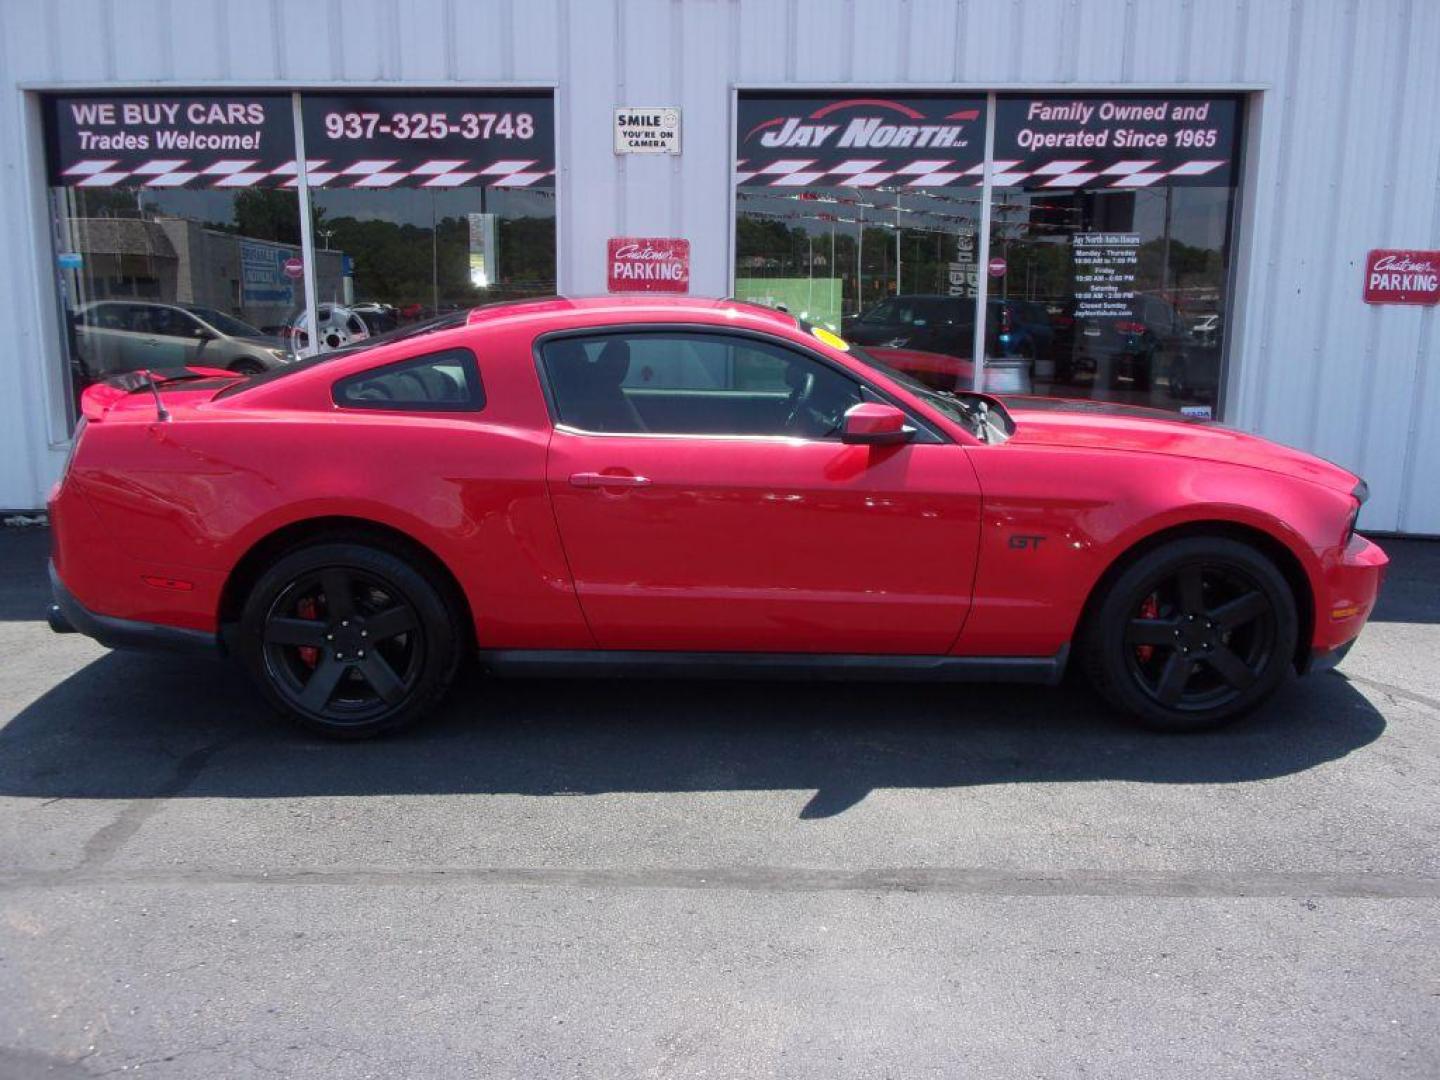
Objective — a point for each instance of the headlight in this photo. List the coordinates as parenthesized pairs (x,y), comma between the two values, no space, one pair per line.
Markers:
(279,354)
(1360,493)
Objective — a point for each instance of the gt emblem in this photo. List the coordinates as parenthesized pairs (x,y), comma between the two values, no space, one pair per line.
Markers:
(1025,541)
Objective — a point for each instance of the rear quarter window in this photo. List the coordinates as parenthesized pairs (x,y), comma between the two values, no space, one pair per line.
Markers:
(445,381)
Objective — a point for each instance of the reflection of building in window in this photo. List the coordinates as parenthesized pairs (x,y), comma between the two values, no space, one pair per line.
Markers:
(181,261)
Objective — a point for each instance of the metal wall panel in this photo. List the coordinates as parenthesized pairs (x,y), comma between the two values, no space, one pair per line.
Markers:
(1347,155)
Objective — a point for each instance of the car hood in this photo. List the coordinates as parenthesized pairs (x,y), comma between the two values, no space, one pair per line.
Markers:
(1103,425)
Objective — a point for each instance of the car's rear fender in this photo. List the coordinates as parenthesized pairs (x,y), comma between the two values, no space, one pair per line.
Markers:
(334,528)
(190,499)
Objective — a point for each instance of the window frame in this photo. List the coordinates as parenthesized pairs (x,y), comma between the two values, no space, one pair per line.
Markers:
(474,402)
(926,431)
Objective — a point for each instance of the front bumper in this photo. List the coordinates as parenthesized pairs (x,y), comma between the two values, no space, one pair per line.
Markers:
(1351,586)
(1326,659)
(68,616)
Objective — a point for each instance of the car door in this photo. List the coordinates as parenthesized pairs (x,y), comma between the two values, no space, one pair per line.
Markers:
(723,513)
(159,336)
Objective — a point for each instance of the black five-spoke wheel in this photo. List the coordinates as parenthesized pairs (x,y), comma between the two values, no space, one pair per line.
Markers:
(343,645)
(348,639)
(1193,634)
(1201,638)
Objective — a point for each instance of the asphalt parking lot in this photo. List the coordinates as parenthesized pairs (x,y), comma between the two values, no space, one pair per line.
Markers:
(636,879)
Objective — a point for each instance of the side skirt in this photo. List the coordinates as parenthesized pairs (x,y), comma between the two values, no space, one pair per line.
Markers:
(593,663)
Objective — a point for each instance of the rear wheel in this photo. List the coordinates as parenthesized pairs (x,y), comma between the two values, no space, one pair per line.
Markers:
(350,640)
(1193,634)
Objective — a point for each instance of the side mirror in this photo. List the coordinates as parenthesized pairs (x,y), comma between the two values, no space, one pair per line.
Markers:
(873,424)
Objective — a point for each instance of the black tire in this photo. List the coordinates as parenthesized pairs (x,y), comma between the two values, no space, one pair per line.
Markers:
(1179,384)
(1192,635)
(249,366)
(1144,365)
(375,629)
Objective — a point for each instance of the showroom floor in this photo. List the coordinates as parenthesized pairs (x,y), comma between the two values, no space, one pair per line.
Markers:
(635,879)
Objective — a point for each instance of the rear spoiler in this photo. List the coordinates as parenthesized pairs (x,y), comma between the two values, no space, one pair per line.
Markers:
(100,397)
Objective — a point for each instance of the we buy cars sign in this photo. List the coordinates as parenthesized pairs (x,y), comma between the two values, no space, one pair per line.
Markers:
(647,264)
(1402,277)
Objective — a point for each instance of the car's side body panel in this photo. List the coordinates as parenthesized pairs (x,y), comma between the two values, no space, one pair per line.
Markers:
(773,545)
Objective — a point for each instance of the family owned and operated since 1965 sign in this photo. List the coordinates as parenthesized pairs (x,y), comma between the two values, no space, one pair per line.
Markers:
(1402,277)
(648,264)
(1124,141)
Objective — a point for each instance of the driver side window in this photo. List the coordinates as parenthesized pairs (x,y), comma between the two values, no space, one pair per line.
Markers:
(671,383)
(168,322)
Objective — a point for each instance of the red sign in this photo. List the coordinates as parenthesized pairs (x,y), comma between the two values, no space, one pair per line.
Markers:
(648,264)
(997,267)
(1402,277)
(293,268)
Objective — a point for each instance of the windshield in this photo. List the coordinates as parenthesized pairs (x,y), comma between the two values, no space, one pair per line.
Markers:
(430,326)
(912,311)
(226,324)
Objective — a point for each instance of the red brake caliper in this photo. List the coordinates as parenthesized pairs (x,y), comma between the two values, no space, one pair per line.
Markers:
(306,609)
(1149,609)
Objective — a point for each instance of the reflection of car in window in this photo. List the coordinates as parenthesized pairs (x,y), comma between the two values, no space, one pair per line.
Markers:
(116,336)
(1015,329)
(378,318)
(938,324)
(1144,343)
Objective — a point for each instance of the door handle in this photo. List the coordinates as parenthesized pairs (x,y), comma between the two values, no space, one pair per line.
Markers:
(604,480)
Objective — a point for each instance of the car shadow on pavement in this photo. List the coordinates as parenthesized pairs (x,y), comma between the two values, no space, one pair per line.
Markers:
(132,726)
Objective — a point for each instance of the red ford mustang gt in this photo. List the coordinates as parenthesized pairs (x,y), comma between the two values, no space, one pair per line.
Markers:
(689,486)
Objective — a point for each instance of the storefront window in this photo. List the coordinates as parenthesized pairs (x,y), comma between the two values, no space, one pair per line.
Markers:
(177,227)
(860,214)
(173,230)
(437,202)
(1109,231)
(1109,244)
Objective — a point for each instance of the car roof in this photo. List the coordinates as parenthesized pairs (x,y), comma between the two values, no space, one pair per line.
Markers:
(133,301)
(621,308)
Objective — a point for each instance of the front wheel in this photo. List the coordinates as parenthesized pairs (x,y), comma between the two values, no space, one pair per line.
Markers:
(349,640)
(1193,634)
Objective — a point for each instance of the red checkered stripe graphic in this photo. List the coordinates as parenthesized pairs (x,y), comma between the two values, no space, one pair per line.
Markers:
(241,173)
(801,172)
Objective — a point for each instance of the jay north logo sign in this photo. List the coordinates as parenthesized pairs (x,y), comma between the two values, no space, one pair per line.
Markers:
(785,139)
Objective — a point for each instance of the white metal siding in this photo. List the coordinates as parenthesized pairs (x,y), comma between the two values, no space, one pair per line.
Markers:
(1346,157)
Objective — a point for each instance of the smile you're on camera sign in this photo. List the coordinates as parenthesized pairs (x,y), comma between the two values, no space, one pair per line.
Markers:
(647,130)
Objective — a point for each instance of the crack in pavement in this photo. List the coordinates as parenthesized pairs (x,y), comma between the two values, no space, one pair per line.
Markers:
(1395,691)
(103,844)
(949,880)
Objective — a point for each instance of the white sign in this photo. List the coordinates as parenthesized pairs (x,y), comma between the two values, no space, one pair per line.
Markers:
(647,130)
